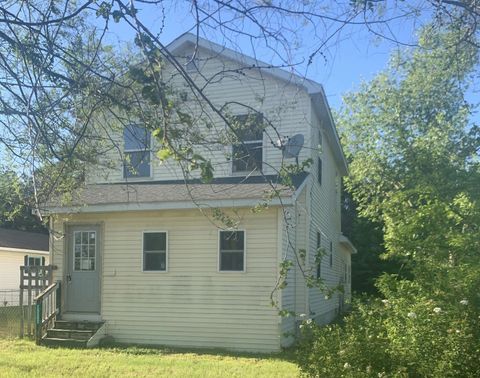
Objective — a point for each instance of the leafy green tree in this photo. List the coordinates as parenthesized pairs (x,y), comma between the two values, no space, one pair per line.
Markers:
(15,206)
(414,154)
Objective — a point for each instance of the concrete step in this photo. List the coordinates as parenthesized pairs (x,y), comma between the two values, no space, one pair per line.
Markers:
(74,334)
(64,343)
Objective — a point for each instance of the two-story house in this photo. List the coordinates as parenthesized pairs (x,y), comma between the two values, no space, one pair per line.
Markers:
(137,248)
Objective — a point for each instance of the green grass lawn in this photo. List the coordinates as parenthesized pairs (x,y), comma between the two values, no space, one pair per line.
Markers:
(21,358)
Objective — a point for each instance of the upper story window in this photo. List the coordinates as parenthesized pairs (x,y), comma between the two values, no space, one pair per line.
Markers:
(320,142)
(136,141)
(247,156)
(338,187)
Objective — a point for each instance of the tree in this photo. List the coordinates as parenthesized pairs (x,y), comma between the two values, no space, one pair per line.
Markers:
(60,78)
(414,154)
(413,150)
(15,209)
(54,57)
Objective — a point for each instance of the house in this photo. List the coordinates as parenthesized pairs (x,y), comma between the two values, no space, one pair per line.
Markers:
(19,248)
(141,250)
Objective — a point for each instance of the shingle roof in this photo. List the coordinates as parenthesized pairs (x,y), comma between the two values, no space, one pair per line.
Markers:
(231,188)
(23,240)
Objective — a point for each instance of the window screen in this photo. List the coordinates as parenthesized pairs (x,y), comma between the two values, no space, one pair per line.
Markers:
(136,152)
(248,155)
(232,250)
(155,251)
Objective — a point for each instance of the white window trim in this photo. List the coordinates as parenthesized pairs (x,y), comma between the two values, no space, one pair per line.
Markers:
(244,252)
(73,249)
(150,151)
(166,251)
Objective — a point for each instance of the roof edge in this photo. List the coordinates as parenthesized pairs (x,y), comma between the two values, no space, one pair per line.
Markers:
(289,77)
(346,241)
(151,206)
(320,99)
(23,250)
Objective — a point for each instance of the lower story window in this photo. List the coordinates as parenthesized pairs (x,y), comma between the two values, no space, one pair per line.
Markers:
(154,251)
(232,251)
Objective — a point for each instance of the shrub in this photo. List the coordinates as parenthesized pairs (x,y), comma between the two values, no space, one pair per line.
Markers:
(411,333)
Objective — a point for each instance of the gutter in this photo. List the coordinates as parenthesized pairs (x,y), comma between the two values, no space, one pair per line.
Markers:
(21,250)
(178,205)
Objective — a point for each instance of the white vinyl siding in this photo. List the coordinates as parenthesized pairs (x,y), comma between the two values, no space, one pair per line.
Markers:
(285,105)
(193,304)
(10,263)
(326,218)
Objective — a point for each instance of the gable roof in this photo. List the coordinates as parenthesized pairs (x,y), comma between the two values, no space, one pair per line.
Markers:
(177,194)
(31,241)
(314,89)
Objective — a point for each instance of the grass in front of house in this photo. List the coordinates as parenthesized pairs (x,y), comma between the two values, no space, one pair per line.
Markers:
(21,358)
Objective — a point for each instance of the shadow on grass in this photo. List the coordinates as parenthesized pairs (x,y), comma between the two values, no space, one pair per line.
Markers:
(287,355)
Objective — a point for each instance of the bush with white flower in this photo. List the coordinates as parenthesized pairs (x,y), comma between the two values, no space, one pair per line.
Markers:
(420,333)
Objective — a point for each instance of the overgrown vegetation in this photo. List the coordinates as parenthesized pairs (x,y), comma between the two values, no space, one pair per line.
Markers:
(414,158)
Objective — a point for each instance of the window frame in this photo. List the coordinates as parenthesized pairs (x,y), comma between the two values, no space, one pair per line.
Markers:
(129,151)
(338,190)
(319,245)
(244,144)
(244,251)
(319,170)
(331,254)
(320,142)
(166,250)
(96,251)
(36,258)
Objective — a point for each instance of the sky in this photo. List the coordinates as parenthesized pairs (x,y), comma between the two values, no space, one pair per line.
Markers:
(353,56)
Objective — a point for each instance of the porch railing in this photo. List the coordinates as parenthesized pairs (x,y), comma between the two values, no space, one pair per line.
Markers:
(47,307)
(33,280)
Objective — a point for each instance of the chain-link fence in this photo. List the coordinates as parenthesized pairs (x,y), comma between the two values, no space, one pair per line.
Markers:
(11,314)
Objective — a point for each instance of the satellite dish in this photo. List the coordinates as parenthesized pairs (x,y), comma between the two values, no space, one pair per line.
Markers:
(292,148)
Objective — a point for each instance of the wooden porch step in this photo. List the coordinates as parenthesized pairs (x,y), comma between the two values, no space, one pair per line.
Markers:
(71,334)
(77,325)
(66,343)
(75,334)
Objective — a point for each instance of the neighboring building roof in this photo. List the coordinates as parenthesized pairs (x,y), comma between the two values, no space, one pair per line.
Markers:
(314,89)
(31,241)
(177,194)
